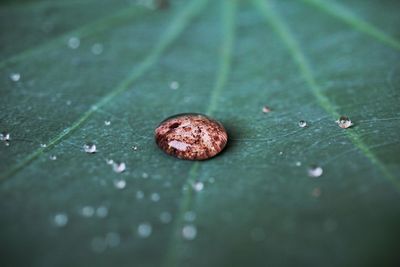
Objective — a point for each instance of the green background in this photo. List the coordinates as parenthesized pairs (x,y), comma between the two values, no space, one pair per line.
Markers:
(310,60)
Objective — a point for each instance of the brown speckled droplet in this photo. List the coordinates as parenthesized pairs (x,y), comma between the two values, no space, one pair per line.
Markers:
(191,136)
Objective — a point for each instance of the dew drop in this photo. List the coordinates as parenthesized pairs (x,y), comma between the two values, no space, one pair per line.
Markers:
(52,157)
(119,167)
(266,109)
(5,137)
(144,230)
(15,77)
(112,239)
(69,102)
(165,217)
(109,161)
(302,124)
(90,148)
(155,197)
(198,186)
(145,175)
(87,211)
(120,184)
(43,145)
(60,219)
(74,42)
(189,232)
(315,171)
(344,122)
(189,216)
(97,49)
(139,194)
(298,163)
(102,212)
(107,123)
(174,85)
(134,148)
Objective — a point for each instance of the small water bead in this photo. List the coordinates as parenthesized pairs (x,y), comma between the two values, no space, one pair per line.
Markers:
(15,77)
(266,109)
(144,230)
(68,102)
(113,239)
(165,217)
(119,167)
(120,184)
(60,219)
(5,136)
(107,123)
(74,42)
(52,157)
(189,232)
(145,175)
(344,122)
(302,124)
(189,216)
(298,163)
(134,148)
(155,197)
(97,49)
(43,145)
(90,148)
(102,212)
(198,186)
(139,194)
(109,161)
(174,85)
(87,211)
(191,136)
(315,171)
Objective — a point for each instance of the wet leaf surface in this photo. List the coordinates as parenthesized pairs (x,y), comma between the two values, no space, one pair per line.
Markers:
(126,203)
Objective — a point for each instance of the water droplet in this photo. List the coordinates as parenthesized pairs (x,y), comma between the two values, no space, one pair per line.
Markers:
(298,163)
(316,192)
(266,109)
(74,42)
(344,122)
(97,49)
(198,186)
(302,124)
(139,194)
(191,136)
(69,102)
(98,244)
(113,239)
(60,219)
(134,148)
(144,230)
(155,197)
(189,216)
(145,175)
(107,123)
(52,157)
(87,211)
(15,77)
(119,167)
(189,232)
(90,148)
(174,85)
(102,212)
(315,171)
(109,161)
(280,153)
(43,145)
(165,217)
(120,184)
(5,137)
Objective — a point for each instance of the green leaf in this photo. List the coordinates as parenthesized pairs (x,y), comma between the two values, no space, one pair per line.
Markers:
(311,60)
